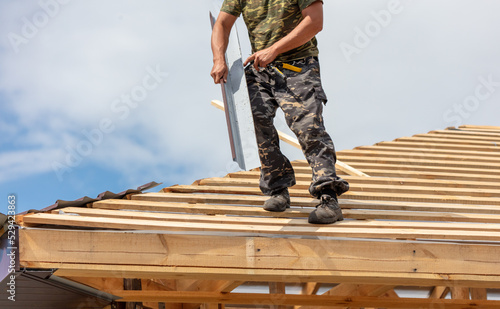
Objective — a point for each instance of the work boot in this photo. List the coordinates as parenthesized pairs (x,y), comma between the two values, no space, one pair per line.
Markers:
(278,202)
(327,211)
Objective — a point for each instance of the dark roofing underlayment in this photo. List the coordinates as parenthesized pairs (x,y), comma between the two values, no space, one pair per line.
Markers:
(101,196)
(41,290)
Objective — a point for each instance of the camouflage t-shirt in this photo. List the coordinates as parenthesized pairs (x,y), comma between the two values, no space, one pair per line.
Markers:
(270,20)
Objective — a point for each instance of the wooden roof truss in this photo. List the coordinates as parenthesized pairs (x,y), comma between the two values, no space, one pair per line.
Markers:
(426,219)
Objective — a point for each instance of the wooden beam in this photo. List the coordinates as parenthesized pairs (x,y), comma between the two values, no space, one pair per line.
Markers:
(359,195)
(466,133)
(355,189)
(314,300)
(310,288)
(439,292)
(260,275)
(411,175)
(431,144)
(312,230)
(476,293)
(459,293)
(277,288)
(209,206)
(410,162)
(304,213)
(467,186)
(295,143)
(218,286)
(349,170)
(415,155)
(462,137)
(425,149)
(211,306)
(430,175)
(479,128)
(346,289)
(256,253)
(417,167)
(428,138)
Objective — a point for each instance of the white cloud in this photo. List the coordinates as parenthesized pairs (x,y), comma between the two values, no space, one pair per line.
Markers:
(66,78)
(19,164)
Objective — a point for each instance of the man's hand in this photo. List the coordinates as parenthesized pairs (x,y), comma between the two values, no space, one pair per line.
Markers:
(219,72)
(220,39)
(262,58)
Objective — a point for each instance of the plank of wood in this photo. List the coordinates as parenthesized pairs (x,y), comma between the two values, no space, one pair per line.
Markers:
(447,141)
(277,288)
(295,143)
(252,229)
(473,149)
(466,133)
(476,293)
(420,162)
(354,187)
(471,137)
(261,275)
(459,293)
(301,202)
(208,209)
(416,154)
(479,128)
(363,217)
(428,172)
(310,288)
(467,186)
(374,210)
(431,175)
(439,292)
(349,170)
(469,200)
(417,167)
(217,286)
(418,148)
(256,253)
(298,201)
(310,300)
(346,289)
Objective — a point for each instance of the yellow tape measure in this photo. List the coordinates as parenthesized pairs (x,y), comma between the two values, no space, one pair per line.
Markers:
(291,68)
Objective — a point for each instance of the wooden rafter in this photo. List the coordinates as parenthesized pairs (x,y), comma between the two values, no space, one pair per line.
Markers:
(295,143)
(308,300)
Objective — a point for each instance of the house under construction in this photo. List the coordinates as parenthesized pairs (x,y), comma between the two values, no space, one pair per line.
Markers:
(421,230)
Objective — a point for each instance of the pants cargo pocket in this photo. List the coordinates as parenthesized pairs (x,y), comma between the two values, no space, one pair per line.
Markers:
(320,94)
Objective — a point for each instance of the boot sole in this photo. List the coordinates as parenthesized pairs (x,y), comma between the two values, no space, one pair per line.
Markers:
(276,209)
(314,220)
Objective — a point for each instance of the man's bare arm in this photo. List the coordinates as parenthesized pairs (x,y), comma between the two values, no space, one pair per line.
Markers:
(220,39)
(303,33)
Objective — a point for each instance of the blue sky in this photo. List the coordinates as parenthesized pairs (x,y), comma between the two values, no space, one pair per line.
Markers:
(109,95)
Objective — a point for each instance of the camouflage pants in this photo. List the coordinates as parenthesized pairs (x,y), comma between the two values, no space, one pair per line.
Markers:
(301,98)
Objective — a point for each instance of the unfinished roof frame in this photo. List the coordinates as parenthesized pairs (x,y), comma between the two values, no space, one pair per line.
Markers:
(428,216)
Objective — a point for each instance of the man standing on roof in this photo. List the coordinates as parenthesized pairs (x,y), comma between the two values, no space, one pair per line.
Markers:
(282,32)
